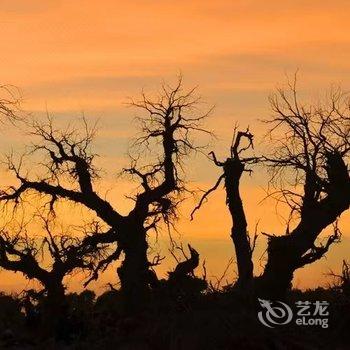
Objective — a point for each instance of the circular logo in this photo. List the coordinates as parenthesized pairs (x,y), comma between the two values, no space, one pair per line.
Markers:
(274,314)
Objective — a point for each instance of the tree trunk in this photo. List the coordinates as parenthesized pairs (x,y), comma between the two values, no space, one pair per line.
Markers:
(285,256)
(55,308)
(287,253)
(233,170)
(279,269)
(134,272)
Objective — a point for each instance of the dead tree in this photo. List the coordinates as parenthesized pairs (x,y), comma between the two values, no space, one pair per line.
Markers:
(187,267)
(48,259)
(310,150)
(309,165)
(182,281)
(233,168)
(167,129)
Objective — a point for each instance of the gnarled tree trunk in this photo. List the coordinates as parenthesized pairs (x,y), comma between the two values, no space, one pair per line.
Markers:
(288,253)
(233,170)
(54,306)
(279,269)
(134,272)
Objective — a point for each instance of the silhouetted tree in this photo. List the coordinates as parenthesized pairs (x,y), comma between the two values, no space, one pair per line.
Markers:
(310,148)
(342,280)
(233,168)
(182,281)
(49,260)
(309,164)
(167,128)
(186,267)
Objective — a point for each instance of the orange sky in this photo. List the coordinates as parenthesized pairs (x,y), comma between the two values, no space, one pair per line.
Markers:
(73,56)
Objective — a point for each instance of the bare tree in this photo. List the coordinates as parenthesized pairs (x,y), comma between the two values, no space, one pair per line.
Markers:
(167,127)
(342,280)
(182,282)
(309,165)
(233,168)
(10,104)
(186,267)
(49,259)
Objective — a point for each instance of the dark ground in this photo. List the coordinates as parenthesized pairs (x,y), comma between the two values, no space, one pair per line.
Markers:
(211,320)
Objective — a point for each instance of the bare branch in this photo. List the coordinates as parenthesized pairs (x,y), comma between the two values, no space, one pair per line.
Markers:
(206,194)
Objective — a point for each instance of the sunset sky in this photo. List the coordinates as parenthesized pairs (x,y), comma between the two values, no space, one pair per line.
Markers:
(74,57)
